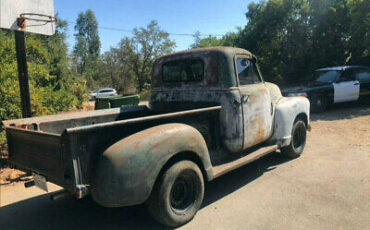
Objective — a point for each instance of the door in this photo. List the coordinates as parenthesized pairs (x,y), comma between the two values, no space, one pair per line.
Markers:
(347,88)
(363,76)
(255,102)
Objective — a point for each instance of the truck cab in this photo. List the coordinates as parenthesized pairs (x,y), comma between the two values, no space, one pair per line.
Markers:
(230,77)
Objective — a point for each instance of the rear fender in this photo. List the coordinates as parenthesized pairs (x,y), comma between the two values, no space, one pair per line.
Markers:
(287,110)
(128,169)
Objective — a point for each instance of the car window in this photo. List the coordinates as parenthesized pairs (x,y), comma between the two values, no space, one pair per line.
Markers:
(106,91)
(247,72)
(183,70)
(363,75)
(326,76)
(348,75)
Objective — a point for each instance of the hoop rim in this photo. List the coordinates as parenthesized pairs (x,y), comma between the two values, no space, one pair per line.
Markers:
(48,18)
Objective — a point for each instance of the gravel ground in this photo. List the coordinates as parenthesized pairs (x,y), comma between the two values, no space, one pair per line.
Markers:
(327,188)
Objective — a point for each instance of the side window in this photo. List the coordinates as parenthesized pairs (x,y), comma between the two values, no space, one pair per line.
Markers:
(247,72)
(348,75)
(363,75)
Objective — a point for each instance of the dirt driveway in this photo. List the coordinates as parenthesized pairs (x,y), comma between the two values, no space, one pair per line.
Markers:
(327,188)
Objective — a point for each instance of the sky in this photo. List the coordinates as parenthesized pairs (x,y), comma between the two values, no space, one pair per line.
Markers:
(174,16)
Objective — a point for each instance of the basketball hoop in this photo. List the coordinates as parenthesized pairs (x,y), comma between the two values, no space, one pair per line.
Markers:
(31,16)
(37,19)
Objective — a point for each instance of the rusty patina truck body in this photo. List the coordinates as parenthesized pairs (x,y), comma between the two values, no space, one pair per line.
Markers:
(210,112)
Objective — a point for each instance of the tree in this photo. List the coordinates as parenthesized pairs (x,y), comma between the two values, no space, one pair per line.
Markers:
(129,64)
(115,69)
(87,48)
(210,41)
(57,53)
(278,33)
(197,40)
(330,30)
(359,37)
(144,47)
(229,39)
(294,37)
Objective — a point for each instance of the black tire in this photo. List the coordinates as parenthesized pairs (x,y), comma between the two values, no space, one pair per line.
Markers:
(298,141)
(365,100)
(177,195)
(318,104)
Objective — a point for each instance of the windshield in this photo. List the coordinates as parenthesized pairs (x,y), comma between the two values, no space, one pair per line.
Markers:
(325,76)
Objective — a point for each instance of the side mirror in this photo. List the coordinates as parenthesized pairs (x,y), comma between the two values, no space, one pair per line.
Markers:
(254,59)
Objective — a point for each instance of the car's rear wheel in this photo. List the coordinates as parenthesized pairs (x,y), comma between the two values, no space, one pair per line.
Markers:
(298,141)
(177,195)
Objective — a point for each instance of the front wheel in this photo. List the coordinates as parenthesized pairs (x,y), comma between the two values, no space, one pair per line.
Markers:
(298,141)
(178,194)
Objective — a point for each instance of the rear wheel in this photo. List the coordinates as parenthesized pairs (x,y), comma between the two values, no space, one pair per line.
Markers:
(298,141)
(178,194)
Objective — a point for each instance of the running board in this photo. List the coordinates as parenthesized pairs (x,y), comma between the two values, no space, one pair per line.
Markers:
(222,169)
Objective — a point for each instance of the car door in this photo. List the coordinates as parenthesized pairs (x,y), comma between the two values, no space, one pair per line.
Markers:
(363,76)
(346,88)
(255,102)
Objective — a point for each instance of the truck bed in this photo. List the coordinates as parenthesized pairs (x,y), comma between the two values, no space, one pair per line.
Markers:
(64,148)
(56,124)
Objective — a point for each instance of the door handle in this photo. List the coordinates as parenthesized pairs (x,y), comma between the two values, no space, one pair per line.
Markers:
(357,83)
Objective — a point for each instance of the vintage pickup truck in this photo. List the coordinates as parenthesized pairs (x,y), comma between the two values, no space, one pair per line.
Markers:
(210,112)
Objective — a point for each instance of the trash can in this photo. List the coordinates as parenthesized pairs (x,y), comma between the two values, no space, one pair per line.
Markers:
(116,101)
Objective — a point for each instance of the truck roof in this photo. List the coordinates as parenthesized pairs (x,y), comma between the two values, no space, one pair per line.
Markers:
(229,51)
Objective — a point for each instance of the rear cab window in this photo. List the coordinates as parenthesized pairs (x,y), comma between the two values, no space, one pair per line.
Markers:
(185,70)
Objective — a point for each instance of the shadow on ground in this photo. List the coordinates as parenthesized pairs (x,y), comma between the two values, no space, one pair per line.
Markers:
(343,111)
(69,213)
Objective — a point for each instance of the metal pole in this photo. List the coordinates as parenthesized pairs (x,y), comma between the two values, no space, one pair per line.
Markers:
(20,47)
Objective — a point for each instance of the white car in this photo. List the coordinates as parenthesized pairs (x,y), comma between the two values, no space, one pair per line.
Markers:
(103,93)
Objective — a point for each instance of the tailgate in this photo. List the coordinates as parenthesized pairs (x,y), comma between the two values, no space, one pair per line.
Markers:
(37,152)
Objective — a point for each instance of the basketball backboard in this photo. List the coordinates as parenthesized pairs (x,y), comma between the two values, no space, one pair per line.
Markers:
(34,16)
